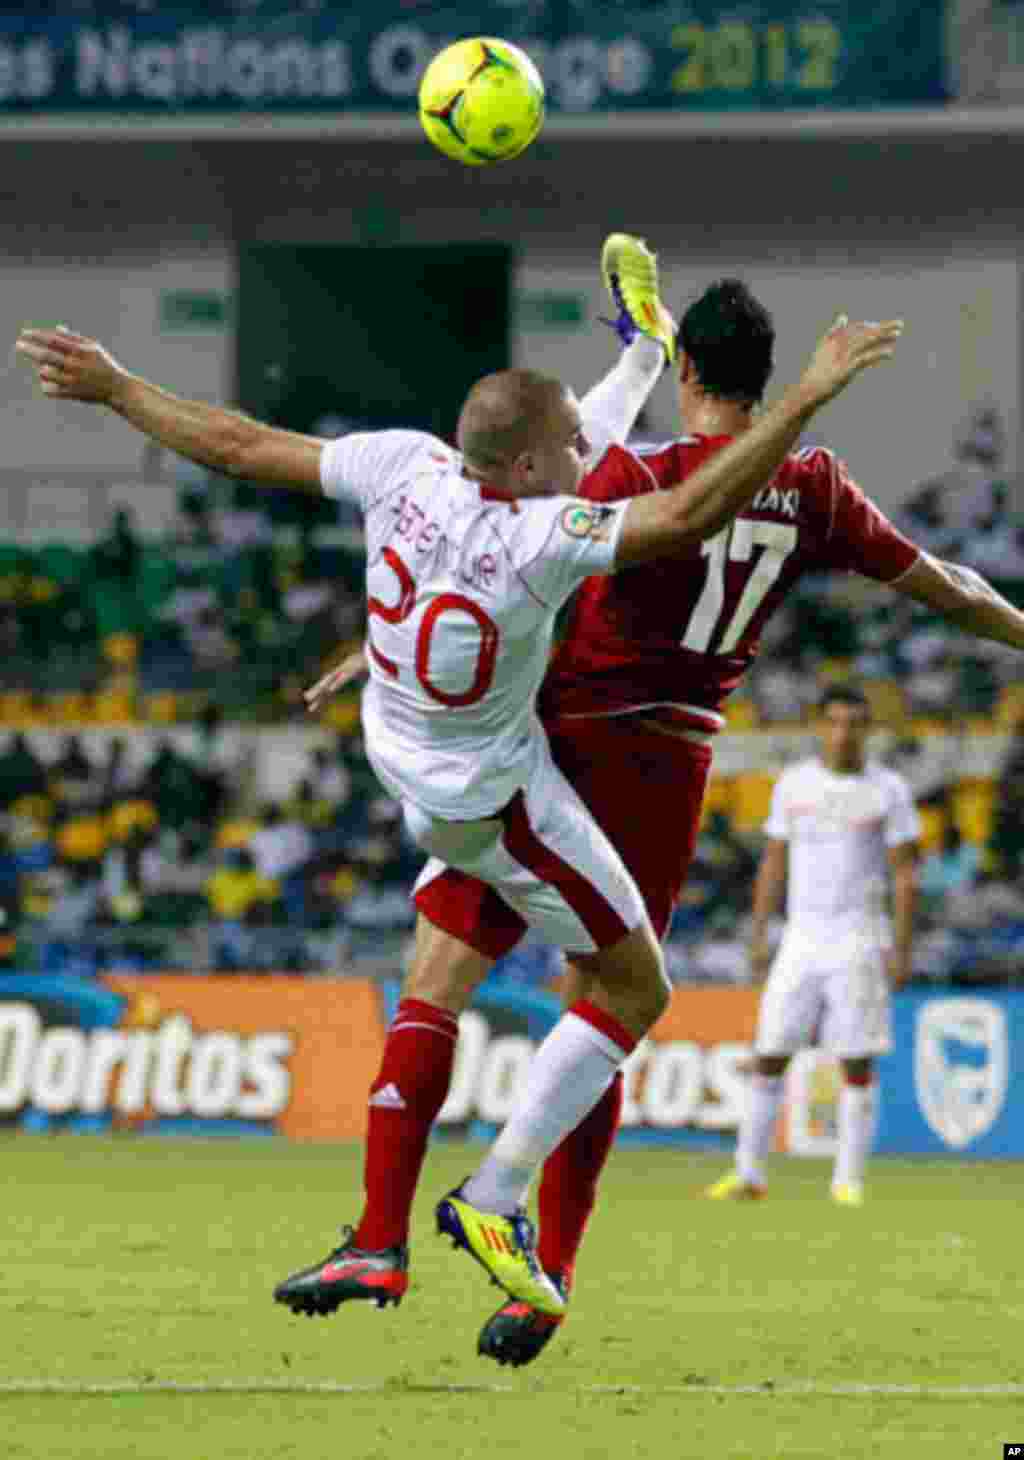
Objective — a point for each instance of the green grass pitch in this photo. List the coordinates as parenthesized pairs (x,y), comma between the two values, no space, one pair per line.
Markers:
(782,1329)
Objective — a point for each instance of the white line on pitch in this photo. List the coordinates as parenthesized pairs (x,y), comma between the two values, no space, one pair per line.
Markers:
(291,1386)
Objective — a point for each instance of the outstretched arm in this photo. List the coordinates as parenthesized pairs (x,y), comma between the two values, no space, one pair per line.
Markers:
(964,598)
(610,408)
(71,367)
(642,323)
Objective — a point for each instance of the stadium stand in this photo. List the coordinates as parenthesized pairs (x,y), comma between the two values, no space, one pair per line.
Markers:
(165,802)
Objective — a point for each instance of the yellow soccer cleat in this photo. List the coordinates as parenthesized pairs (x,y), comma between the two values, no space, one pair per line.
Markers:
(848,1194)
(732,1187)
(630,274)
(504,1247)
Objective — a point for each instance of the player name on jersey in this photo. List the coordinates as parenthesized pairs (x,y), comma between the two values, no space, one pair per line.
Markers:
(774,499)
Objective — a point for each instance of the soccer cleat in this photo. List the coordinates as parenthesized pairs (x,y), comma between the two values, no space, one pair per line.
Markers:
(848,1194)
(517,1333)
(630,274)
(732,1186)
(347,1272)
(504,1247)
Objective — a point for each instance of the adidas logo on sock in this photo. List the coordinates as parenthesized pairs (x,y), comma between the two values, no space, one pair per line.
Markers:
(390,1098)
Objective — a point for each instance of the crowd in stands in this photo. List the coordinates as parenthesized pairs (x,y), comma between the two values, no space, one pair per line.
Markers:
(250,590)
(129,851)
(124,863)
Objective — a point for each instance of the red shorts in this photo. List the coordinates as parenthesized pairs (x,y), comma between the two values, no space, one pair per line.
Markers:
(644,789)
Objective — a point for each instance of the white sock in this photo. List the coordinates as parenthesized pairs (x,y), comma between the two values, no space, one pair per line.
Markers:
(757,1128)
(610,407)
(857,1112)
(570,1072)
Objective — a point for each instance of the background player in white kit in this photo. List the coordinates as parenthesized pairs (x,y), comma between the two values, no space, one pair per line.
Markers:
(843,832)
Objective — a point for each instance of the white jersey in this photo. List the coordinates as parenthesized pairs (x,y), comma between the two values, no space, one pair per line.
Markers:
(839,828)
(463,590)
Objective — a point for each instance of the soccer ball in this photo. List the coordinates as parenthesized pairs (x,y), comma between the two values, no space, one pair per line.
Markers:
(481,101)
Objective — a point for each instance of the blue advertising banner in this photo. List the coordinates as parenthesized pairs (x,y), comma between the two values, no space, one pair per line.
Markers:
(765,54)
(953,1084)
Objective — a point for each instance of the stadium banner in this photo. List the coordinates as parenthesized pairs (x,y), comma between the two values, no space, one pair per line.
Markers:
(953,1085)
(170,1053)
(276,1054)
(763,55)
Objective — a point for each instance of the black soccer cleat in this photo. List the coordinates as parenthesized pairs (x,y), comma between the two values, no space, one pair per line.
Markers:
(517,1333)
(347,1273)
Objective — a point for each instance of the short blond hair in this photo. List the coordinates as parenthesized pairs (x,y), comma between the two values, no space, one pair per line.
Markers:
(503,416)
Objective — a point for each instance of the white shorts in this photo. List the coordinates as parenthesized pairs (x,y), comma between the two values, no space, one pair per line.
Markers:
(831,993)
(545,857)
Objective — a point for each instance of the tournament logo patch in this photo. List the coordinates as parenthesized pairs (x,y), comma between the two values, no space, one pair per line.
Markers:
(584,520)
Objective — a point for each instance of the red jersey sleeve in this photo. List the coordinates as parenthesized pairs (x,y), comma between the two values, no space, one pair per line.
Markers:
(861,539)
(618,474)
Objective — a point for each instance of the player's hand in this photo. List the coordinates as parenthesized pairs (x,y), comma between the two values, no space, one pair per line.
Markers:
(845,350)
(350,668)
(760,959)
(69,366)
(898,969)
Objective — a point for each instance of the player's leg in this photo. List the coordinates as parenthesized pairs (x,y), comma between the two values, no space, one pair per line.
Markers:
(409,1090)
(517,1333)
(413,1079)
(568,1183)
(747,1180)
(652,770)
(572,1070)
(856,1029)
(756,1134)
(789,1011)
(857,1117)
(575,1065)
(557,869)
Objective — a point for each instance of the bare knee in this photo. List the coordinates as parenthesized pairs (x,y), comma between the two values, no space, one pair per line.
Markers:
(577,982)
(445,972)
(630,982)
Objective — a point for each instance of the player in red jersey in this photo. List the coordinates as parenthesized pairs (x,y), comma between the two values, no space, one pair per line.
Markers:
(631,703)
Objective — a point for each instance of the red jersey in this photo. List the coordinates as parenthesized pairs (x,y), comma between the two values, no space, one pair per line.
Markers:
(683,631)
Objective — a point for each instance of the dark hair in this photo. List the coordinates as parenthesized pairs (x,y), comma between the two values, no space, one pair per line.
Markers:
(729,337)
(844,694)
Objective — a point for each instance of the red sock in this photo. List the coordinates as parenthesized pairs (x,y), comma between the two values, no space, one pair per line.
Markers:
(568,1186)
(404,1101)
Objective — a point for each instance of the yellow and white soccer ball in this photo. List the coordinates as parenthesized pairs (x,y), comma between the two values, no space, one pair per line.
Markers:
(481,101)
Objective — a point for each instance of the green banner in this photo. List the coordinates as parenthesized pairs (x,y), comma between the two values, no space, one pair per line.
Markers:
(595,57)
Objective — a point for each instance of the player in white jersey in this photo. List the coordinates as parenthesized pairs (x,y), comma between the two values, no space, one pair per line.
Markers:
(842,836)
(470,556)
